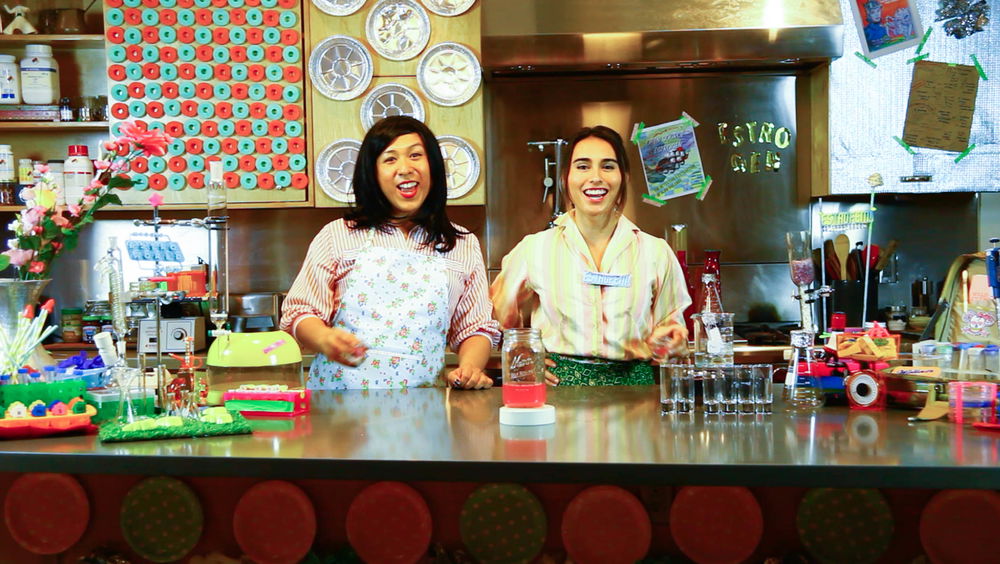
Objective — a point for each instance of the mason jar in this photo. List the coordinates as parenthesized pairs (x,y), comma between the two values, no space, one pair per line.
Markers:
(523,368)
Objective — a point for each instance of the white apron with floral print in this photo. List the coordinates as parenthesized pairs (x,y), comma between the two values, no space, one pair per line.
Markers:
(396,302)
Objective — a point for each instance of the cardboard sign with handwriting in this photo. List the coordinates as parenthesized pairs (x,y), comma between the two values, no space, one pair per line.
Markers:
(942,101)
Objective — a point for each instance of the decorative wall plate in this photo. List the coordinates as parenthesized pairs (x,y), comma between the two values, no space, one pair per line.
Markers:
(342,7)
(335,169)
(448,7)
(398,29)
(461,165)
(449,74)
(390,99)
(340,67)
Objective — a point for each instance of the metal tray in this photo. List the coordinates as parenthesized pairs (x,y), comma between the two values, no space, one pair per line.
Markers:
(340,7)
(390,99)
(335,169)
(449,74)
(340,67)
(398,29)
(449,7)
(461,164)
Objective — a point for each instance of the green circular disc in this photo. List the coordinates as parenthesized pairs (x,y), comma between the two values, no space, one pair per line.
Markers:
(161,519)
(845,525)
(503,523)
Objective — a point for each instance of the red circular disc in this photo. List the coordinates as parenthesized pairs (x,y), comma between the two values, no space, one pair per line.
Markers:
(263,145)
(170,90)
(150,3)
(177,164)
(389,522)
(113,3)
(275,91)
(239,91)
(133,53)
(701,516)
(119,110)
(220,3)
(151,71)
(954,526)
(292,74)
(139,164)
(154,109)
(185,34)
(209,128)
(237,17)
(231,179)
(276,128)
(252,3)
(136,90)
(265,180)
(244,128)
(224,110)
(292,112)
(189,108)
(115,34)
(258,110)
(254,520)
(272,18)
(204,90)
(133,16)
(196,180)
(151,34)
(256,73)
(255,36)
(185,71)
(606,525)
(167,16)
(220,35)
(248,163)
(204,53)
(296,145)
(289,37)
(157,181)
(223,72)
(46,513)
(174,128)
(288,3)
(116,73)
(185,3)
(230,146)
(299,180)
(275,53)
(194,145)
(238,53)
(168,54)
(280,162)
(203,16)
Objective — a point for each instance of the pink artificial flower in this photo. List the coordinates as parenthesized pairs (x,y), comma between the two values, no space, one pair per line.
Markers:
(30,218)
(74,209)
(109,145)
(20,257)
(41,168)
(156,200)
(118,166)
(89,198)
(101,164)
(153,143)
(124,147)
(37,267)
(61,221)
(56,245)
(130,129)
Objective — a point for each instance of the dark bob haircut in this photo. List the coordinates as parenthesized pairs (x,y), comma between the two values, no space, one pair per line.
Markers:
(611,136)
(372,209)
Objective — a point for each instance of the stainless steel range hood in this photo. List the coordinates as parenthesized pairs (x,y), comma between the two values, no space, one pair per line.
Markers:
(650,35)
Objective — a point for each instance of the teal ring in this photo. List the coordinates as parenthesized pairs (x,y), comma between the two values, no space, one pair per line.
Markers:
(238,35)
(282,179)
(274,111)
(133,71)
(139,182)
(226,127)
(132,3)
(230,163)
(268,3)
(186,52)
(293,128)
(204,71)
(206,109)
(255,53)
(155,125)
(263,163)
(157,164)
(279,146)
(168,3)
(272,35)
(235,3)
(186,90)
(133,36)
(257,91)
(177,181)
(291,93)
(246,146)
(150,53)
(154,91)
(248,180)
(255,16)
(241,110)
(116,129)
(119,92)
(150,17)
(288,19)
(172,107)
(175,148)
(220,54)
(192,127)
(168,71)
(211,146)
(274,73)
(195,163)
(291,54)
(259,128)
(114,16)
(297,162)
(185,17)
(116,54)
(203,3)
(203,35)
(222,91)
(220,17)
(239,71)
(167,34)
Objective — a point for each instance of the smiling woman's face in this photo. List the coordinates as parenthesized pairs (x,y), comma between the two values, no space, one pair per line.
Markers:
(404,174)
(595,177)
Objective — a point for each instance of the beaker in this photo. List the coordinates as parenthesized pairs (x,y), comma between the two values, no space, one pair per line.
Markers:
(803,390)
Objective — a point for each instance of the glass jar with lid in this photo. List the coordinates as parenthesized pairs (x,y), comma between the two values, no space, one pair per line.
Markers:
(523,368)
(97,307)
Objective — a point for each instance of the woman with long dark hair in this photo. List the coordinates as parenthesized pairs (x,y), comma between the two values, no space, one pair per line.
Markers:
(383,290)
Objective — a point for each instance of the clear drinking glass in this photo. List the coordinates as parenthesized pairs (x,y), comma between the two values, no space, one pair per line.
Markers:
(763,388)
(713,339)
(712,381)
(730,394)
(676,388)
(744,388)
(667,404)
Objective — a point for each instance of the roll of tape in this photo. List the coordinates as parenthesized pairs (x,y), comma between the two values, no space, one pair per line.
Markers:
(119,92)
(116,54)
(176,182)
(273,111)
(157,164)
(150,17)
(137,108)
(245,146)
(168,34)
(239,70)
(248,180)
(865,390)
(230,163)
(172,108)
(212,146)
(154,91)
(133,71)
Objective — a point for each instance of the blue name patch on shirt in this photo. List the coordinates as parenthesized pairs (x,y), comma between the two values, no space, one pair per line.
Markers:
(605,279)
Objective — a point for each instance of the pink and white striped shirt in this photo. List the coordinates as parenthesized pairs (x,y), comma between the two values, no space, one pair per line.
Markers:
(543,276)
(321,282)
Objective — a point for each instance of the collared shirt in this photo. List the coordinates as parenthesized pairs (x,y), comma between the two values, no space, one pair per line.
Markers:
(544,275)
(320,283)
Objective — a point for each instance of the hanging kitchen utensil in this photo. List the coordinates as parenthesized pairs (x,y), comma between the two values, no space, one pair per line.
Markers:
(842,246)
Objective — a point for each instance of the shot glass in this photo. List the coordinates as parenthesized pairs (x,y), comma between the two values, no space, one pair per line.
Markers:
(676,388)
(712,381)
(667,404)
(744,388)
(730,390)
(763,388)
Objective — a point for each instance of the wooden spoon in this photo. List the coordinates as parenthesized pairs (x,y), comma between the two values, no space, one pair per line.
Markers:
(842,246)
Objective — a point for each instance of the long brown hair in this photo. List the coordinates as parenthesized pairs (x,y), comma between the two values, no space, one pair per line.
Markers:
(617,144)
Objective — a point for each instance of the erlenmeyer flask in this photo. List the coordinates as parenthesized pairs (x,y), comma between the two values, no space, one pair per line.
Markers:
(803,390)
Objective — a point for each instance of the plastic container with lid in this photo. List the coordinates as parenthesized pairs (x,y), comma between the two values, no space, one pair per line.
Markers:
(39,76)
(10,80)
(91,327)
(78,172)
(72,324)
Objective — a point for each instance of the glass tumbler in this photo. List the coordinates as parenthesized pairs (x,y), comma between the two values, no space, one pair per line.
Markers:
(712,380)
(763,388)
(676,388)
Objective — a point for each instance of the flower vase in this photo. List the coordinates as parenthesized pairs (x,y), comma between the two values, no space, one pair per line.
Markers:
(14,296)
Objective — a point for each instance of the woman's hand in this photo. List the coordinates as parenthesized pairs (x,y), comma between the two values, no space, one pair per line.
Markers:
(550,378)
(469,378)
(341,346)
(667,341)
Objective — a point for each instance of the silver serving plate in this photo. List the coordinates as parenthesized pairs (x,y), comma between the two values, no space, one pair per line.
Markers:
(341,67)
(398,29)
(335,169)
(461,165)
(339,7)
(449,74)
(390,99)
(448,7)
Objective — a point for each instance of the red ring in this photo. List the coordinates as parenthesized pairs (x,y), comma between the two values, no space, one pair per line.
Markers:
(132,16)
(185,34)
(196,180)
(255,35)
(154,109)
(256,73)
(291,112)
(189,108)
(237,17)
(140,164)
(115,34)
(151,71)
(210,128)
(263,145)
(185,71)
(275,53)
(151,34)
(167,16)
(258,110)
(252,3)
(239,91)
(220,3)
(289,36)
(174,128)
(274,91)
(265,181)
(292,74)
(272,18)
(170,90)
(230,146)
(114,3)
(221,35)
(185,3)
(279,162)
(203,16)
(248,163)
(136,90)
(223,71)
(296,145)
(177,164)
(231,179)
(238,53)
(119,110)
(194,145)
(288,3)
(204,90)
(116,73)
(244,128)
(157,181)
(300,180)
(150,3)
(276,129)
(224,110)
(133,53)
(203,53)
(168,54)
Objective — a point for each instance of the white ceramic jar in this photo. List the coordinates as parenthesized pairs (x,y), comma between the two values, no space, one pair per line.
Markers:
(39,76)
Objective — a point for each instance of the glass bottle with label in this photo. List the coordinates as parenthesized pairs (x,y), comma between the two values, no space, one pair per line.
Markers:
(713,328)
(523,368)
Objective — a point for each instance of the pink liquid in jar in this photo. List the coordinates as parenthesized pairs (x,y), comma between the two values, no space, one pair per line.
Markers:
(527,394)
(802,272)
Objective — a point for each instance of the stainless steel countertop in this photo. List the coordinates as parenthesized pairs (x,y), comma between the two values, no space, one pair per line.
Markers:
(607,434)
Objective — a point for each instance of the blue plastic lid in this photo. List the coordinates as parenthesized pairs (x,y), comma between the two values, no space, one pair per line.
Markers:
(22,370)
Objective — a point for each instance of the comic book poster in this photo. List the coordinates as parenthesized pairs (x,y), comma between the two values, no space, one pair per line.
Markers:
(670,159)
(886,26)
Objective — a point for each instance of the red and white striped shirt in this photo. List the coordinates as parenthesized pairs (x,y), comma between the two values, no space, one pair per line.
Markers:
(321,282)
